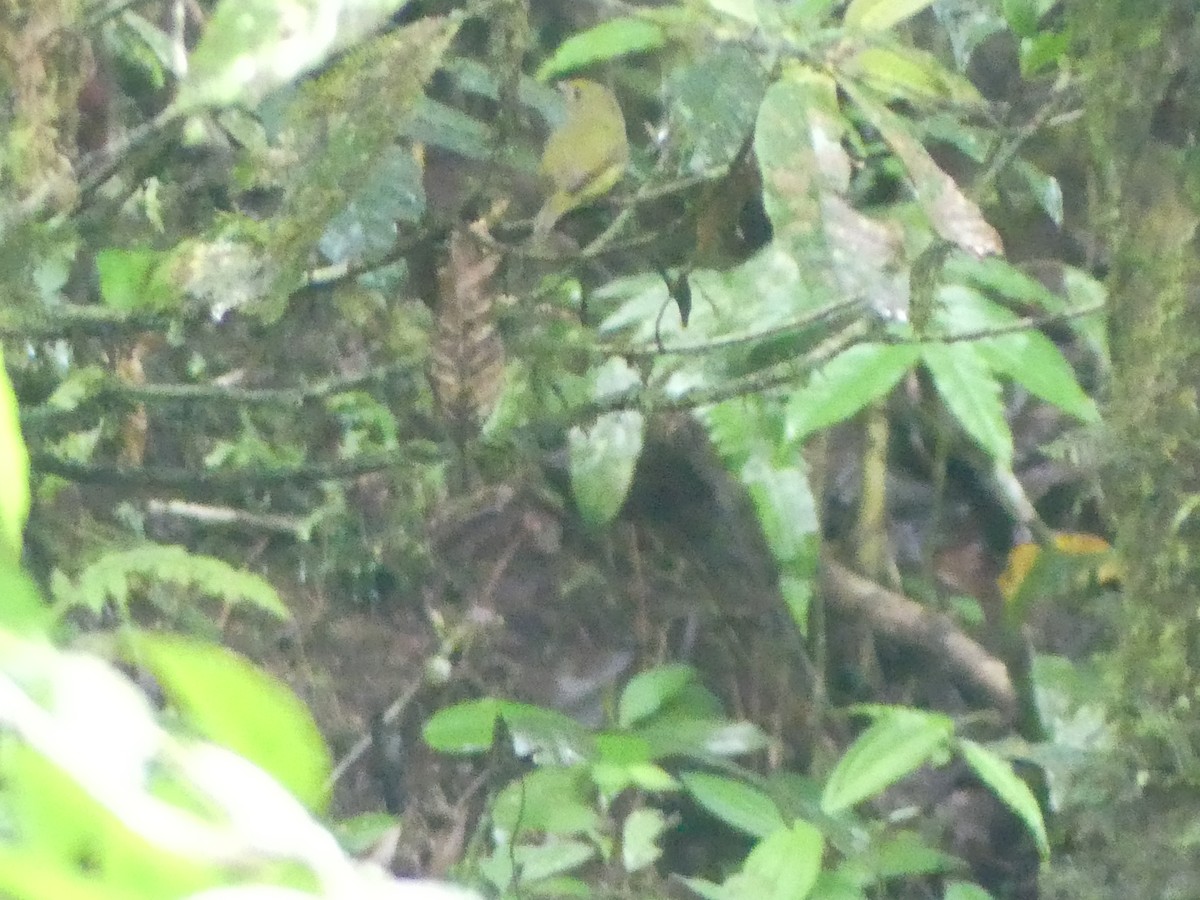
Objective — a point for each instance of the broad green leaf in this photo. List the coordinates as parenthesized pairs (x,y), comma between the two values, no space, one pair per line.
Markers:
(228,700)
(906,73)
(467,727)
(906,853)
(609,40)
(133,280)
(556,800)
(965,890)
(1043,51)
(785,506)
(972,395)
(639,838)
(613,778)
(711,106)
(1028,357)
(702,738)
(879,15)
(366,227)
(535,863)
(21,609)
(1001,779)
(1023,16)
(896,745)
(602,459)
(252,47)
(648,692)
(784,865)
(847,384)
(794,178)
(14,473)
(734,802)
(550,737)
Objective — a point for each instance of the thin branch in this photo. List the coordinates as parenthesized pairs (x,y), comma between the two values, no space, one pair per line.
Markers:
(908,622)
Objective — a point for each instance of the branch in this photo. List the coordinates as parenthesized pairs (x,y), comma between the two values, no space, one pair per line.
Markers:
(895,616)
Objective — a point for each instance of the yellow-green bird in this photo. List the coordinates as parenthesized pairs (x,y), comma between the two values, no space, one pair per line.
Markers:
(586,155)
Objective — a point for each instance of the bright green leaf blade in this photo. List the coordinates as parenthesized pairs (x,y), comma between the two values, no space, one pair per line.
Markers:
(467,727)
(896,745)
(127,279)
(786,863)
(879,15)
(555,800)
(648,692)
(14,472)
(909,74)
(608,40)
(233,703)
(972,395)
(1028,357)
(21,609)
(734,802)
(639,838)
(998,774)
(847,384)
(602,460)
(964,890)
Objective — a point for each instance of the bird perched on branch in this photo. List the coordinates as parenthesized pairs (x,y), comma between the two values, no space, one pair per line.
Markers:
(586,155)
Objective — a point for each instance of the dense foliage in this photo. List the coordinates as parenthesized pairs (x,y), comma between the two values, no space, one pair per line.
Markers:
(744,525)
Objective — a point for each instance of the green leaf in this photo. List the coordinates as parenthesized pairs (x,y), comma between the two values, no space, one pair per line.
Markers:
(972,395)
(228,700)
(21,609)
(648,692)
(556,800)
(896,745)
(639,838)
(1000,777)
(712,103)
(785,506)
(906,853)
(702,738)
(793,177)
(467,727)
(1022,16)
(550,737)
(130,280)
(784,866)
(611,39)
(252,47)
(906,73)
(734,802)
(847,384)
(964,890)
(14,472)
(879,15)
(1028,357)
(602,460)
